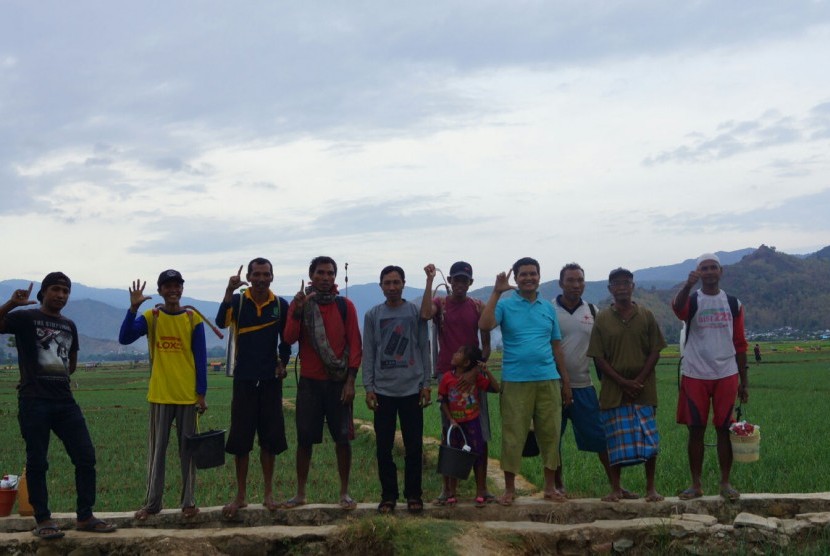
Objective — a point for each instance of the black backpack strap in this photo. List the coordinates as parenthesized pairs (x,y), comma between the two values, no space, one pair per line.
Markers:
(734,305)
(341,306)
(593,309)
(692,311)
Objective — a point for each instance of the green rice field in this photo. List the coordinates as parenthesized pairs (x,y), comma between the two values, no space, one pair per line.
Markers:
(788,395)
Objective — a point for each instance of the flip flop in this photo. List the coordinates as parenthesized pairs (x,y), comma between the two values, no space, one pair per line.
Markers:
(506,500)
(47,530)
(416,505)
(441,500)
(231,510)
(386,507)
(480,501)
(347,503)
(95,525)
(489,498)
(292,503)
(730,494)
(452,501)
(690,494)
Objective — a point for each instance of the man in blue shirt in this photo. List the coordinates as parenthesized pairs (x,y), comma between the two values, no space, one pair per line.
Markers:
(535,383)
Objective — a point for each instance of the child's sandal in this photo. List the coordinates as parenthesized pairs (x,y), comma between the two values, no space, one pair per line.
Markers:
(452,501)
(480,502)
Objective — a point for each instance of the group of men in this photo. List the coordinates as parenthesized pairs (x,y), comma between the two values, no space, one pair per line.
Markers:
(547,351)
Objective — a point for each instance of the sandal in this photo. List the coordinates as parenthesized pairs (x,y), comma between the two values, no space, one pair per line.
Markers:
(292,503)
(48,530)
(441,500)
(347,503)
(386,507)
(690,494)
(416,505)
(95,525)
(452,501)
(480,502)
(730,494)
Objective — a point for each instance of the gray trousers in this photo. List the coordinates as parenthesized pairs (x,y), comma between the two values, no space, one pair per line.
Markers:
(162,417)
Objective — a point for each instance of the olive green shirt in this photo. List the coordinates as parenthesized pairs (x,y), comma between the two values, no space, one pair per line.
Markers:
(625,345)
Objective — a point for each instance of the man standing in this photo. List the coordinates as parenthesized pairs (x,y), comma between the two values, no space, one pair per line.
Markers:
(576,320)
(47,350)
(326,326)
(456,319)
(178,383)
(714,357)
(258,317)
(625,344)
(396,377)
(535,381)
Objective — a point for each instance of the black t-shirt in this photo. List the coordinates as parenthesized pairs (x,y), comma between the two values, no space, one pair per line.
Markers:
(44,344)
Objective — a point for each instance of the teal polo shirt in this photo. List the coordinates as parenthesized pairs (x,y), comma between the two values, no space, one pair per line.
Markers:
(527,329)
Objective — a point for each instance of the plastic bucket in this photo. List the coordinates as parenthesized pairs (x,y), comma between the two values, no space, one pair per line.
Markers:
(746,449)
(456,462)
(207,448)
(7,498)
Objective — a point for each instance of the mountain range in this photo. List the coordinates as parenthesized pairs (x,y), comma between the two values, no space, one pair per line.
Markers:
(777,289)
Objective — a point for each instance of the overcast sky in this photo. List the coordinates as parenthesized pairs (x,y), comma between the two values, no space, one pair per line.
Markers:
(137,136)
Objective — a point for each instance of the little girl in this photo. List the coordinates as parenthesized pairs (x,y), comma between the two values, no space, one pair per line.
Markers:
(461,408)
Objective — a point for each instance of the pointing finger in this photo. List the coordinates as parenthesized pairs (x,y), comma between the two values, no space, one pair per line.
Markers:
(239,272)
(509,272)
(30,288)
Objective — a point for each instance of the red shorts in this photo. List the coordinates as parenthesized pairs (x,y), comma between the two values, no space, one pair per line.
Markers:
(694,398)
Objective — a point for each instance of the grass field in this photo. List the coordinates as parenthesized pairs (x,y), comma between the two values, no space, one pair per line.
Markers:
(788,394)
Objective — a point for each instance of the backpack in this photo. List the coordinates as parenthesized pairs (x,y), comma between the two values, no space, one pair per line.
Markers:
(439,314)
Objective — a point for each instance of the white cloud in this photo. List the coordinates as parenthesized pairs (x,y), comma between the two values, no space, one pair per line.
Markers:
(197,135)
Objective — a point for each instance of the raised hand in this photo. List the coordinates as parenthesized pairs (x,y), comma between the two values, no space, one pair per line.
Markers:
(20,298)
(503,282)
(301,297)
(429,270)
(694,276)
(235,281)
(137,296)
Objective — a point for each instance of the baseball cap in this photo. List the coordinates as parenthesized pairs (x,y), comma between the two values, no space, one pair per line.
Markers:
(169,276)
(461,269)
(51,279)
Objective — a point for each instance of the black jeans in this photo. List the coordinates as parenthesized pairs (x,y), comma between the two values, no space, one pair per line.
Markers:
(38,417)
(412,429)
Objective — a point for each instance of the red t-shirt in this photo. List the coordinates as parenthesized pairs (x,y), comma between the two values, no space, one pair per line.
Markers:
(463,406)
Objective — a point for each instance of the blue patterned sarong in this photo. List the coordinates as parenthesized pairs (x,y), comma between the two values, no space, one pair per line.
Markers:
(631,433)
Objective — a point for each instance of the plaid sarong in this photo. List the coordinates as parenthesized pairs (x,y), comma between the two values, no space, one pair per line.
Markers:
(631,434)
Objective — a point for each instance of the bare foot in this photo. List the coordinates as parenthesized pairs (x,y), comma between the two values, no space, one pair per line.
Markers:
(506,499)
(230,510)
(654,496)
(555,496)
(268,502)
(614,496)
